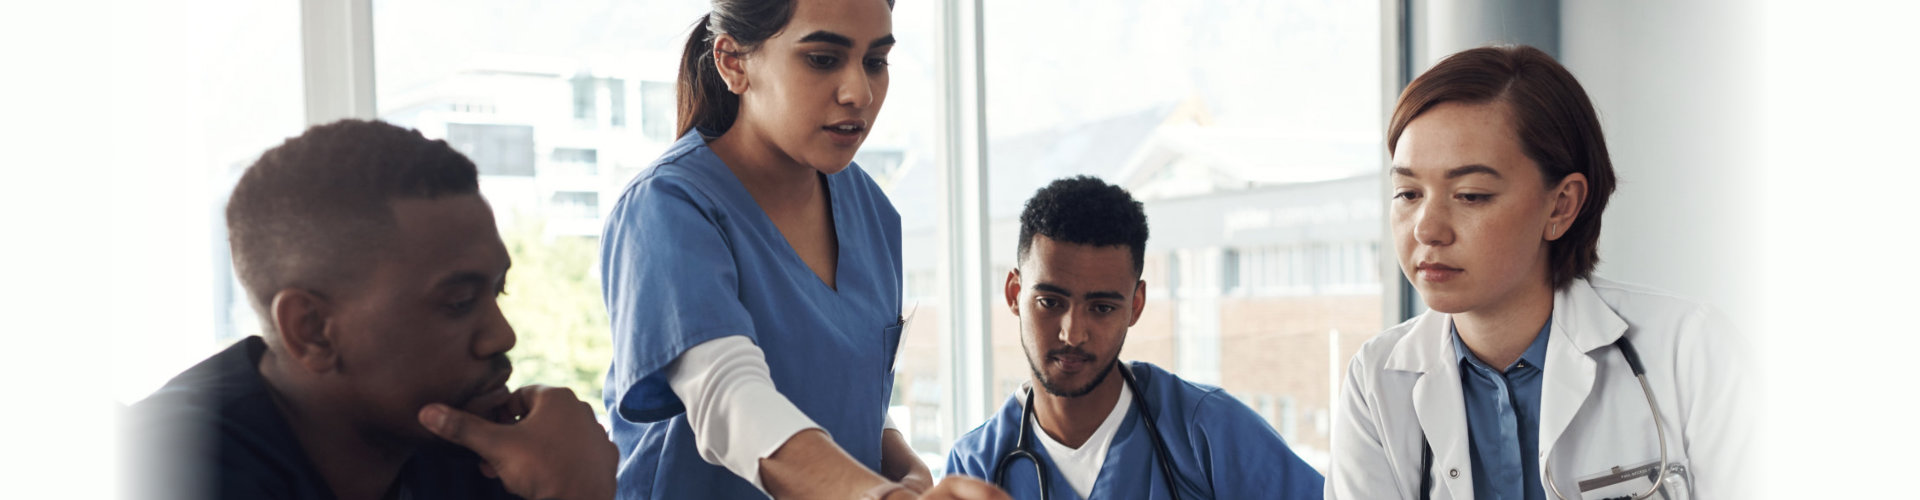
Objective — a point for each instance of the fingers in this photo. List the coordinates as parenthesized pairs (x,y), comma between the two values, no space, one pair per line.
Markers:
(917,483)
(518,405)
(966,488)
(557,401)
(459,427)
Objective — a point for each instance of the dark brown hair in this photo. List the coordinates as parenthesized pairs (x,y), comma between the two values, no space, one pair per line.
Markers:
(1555,122)
(311,211)
(704,100)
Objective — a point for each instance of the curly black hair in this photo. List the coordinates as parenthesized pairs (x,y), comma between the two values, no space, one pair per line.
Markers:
(309,211)
(1085,210)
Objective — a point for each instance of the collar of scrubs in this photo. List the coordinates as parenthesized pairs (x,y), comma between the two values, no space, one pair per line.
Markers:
(1535,355)
(1081,466)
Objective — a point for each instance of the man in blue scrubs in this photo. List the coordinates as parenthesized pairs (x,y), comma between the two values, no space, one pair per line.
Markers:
(1076,290)
(373,263)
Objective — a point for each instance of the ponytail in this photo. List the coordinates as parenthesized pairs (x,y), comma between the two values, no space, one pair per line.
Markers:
(705,102)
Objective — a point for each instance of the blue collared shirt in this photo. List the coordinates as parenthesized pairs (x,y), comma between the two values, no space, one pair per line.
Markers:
(1503,420)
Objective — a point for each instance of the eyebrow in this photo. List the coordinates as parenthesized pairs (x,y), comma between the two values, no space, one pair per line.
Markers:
(1455,172)
(464,278)
(1049,288)
(842,40)
(470,277)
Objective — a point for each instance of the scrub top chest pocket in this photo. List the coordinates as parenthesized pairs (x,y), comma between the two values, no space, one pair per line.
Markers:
(890,337)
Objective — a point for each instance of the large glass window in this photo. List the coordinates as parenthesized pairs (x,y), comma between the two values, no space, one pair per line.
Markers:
(203,89)
(1235,121)
(1238,124)
(537,94)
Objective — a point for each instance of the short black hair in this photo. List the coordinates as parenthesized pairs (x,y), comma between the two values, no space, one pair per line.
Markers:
(310,211)
(1085,210)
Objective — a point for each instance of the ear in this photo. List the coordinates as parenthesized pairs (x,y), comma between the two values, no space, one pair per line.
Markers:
(300,317)
(731,63)
(1139,301)
(1566,201)
(1013,291)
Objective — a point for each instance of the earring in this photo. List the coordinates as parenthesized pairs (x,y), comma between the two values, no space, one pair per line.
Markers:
(1553,230)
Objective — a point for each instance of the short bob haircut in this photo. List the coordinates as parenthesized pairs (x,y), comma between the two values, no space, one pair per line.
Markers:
(1557,127)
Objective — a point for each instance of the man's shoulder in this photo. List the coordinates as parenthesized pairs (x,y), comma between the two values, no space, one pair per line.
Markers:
(214,428)
(1192,399)
(222,383)
(975,451)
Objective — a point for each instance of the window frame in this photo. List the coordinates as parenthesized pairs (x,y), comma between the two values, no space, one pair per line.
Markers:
(338,68)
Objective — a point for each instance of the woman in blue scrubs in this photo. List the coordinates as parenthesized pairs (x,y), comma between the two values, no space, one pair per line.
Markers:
(753,273)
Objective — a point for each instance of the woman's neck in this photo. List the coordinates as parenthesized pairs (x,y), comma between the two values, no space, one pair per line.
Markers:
(1499,333)
(776,180)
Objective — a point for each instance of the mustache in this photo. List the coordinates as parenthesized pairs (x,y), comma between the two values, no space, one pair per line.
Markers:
(498,368)
(1071,350)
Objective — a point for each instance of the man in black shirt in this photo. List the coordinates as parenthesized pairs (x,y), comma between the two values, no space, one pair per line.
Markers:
(374,265)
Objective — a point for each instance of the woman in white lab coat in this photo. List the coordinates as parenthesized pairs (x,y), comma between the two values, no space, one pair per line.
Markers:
(1517,384)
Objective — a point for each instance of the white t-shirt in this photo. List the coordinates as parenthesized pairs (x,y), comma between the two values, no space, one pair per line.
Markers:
(1082,466)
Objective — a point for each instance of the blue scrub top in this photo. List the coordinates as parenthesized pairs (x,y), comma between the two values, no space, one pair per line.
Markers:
(688,257)
(1220,449)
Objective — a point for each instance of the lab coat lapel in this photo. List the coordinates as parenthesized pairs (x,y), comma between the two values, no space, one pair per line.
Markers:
(1582,324)
(1439,405)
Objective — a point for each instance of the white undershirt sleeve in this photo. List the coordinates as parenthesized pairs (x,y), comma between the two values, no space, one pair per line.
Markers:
(737,415)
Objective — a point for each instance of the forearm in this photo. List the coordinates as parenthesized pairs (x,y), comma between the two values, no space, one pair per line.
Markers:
(811,466)
(897,459)
(737,415)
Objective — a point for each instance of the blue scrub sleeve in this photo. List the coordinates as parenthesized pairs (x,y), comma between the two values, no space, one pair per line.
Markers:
(1245,458)
(670,282)
(958,467)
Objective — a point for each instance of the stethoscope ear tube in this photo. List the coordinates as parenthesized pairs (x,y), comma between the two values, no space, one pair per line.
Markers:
(1021,450)
(1153,430)
(1633,358)
(1022,443)
(1659,428)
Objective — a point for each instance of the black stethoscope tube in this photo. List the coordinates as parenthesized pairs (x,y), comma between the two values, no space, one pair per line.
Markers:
(1022,445)
(1639,372)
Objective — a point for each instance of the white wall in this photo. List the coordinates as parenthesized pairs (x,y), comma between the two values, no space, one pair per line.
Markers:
(1675,85)
(124,121)
(1767,163)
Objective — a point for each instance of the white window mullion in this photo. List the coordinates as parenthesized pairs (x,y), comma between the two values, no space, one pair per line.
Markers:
(337,59)
(961,78)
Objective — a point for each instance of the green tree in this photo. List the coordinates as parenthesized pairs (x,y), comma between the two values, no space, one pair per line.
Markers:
(553,301)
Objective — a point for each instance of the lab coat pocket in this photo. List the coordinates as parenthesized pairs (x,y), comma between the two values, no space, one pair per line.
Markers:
(1629,482)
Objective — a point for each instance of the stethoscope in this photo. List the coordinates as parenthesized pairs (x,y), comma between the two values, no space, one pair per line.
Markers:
(1659,428)
(1023,445)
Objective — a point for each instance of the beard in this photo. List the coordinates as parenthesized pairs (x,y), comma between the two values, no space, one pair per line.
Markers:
(1055,388)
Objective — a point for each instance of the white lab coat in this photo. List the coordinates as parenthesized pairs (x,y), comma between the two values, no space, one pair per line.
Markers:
(1593,414)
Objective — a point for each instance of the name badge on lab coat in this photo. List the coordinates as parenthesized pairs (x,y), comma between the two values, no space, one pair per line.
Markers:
(1624,483)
